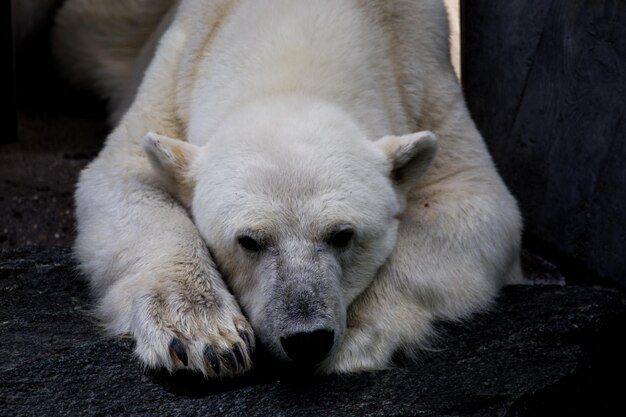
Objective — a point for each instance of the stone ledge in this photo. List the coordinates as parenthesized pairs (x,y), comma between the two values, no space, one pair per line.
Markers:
(543,350)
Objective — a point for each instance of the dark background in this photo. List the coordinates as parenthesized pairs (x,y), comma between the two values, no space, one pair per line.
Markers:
(545,81)
(59,130)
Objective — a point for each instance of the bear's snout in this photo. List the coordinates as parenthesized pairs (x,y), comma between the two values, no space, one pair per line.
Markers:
(308,348)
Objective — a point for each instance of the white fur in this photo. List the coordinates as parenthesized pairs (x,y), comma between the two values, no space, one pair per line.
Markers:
(282,106)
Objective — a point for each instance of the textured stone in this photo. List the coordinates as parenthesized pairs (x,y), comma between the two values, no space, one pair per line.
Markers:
(544,81)
(543,350)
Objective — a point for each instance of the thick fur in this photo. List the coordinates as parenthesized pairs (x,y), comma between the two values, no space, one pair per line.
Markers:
(282,121)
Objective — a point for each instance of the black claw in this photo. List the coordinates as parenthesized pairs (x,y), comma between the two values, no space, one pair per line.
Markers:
(178,348)
(212,359)
(239,355)
(232,360)
(245,336)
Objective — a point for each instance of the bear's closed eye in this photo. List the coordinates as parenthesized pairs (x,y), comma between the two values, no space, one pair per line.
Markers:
(341,239)
(249,243)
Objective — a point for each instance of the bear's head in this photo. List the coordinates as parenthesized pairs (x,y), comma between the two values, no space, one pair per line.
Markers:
(299,210)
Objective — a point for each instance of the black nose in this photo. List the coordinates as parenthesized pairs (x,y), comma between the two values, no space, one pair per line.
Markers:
(308,348)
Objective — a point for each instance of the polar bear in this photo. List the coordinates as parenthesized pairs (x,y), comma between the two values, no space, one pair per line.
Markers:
(304,175)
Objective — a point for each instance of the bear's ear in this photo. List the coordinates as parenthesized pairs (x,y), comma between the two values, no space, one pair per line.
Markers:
(410,156)
(171,158)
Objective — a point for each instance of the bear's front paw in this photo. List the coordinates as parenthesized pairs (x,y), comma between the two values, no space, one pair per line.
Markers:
(360,351)
(190,328)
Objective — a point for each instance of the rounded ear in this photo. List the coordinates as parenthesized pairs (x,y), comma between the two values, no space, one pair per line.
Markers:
(410,156)
(170,159)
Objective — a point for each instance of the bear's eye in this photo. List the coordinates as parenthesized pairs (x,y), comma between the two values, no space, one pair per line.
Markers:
(249,243)
(341,238)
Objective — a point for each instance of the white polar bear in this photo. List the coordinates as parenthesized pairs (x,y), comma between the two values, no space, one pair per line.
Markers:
(293,181)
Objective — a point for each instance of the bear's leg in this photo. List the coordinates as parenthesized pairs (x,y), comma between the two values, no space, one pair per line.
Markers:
(458,243)
(153,275)
(453,253)
(148,266)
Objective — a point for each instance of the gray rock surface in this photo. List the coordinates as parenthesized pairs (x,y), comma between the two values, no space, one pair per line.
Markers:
(543,350)
(545,83)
